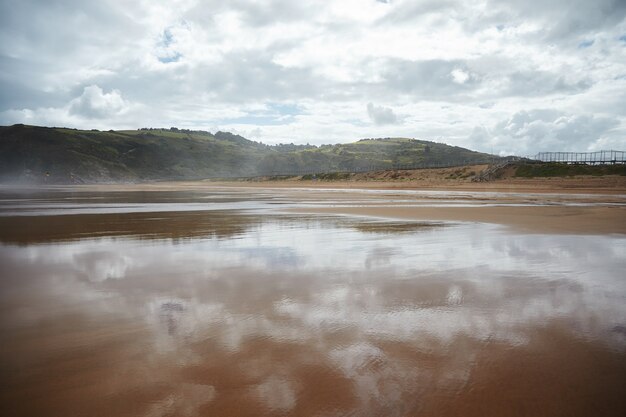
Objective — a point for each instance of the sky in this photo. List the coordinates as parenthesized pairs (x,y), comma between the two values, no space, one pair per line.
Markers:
(508,77)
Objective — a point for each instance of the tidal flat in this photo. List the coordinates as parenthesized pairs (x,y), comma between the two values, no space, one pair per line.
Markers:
(235,301)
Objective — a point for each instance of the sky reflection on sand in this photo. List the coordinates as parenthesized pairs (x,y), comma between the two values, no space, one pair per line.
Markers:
(259,314)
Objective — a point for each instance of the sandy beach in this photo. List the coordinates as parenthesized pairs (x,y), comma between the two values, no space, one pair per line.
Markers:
(313,298)
(585,220)
(586,205)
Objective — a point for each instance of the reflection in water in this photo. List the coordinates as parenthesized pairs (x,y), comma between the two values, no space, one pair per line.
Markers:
(141,225)
(219,313)
(387,226)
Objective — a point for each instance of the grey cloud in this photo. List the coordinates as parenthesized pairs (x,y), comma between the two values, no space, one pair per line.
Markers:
(20,86)
(432,78)
(563,19)
(270,12)
(249,75)
(46,47)
(508,78)
(63,26)
(457,80)
(381,115)
(236,77)
(409,11)
(255,14)
(533,83)
(530,132)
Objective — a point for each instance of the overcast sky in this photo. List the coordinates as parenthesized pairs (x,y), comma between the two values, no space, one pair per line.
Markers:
(517,76)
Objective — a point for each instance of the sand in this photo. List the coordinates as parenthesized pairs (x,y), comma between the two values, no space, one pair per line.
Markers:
(247,311)
(533,219)
(585,205)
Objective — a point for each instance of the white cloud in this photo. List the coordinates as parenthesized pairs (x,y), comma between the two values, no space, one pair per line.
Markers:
(459,76)
(96,104)
(445,66)
(93,107)
(381,115)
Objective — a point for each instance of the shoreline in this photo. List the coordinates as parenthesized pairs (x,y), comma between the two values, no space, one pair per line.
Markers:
(569,206)
(518,186)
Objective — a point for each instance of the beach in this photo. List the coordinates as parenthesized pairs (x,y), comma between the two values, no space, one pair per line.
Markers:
(203,298)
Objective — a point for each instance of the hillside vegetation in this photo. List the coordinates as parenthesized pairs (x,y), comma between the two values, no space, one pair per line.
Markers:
(60,155)
(554,169)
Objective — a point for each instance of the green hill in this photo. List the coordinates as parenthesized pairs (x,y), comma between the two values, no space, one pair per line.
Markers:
(60,155)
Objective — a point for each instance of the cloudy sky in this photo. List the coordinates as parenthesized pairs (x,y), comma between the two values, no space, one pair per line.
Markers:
(516,76)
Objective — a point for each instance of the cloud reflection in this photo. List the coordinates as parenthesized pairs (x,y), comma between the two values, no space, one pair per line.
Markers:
(300,285)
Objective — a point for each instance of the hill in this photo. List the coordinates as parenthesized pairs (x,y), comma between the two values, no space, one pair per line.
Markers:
(60,155)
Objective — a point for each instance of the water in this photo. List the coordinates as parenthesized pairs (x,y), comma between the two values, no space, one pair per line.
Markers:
(221,303)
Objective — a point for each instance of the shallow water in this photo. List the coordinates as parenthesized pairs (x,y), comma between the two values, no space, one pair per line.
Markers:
(159,304)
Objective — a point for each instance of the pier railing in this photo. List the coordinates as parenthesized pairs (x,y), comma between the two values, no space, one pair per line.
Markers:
(592,158)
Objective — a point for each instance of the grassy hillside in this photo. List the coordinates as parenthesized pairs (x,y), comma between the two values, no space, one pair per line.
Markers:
(554,169)
(65,155)
(59,155)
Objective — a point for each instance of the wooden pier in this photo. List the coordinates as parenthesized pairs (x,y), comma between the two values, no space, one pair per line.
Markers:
(589,158)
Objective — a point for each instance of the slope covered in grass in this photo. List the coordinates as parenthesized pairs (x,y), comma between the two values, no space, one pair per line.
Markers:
(554,169)
(59,155)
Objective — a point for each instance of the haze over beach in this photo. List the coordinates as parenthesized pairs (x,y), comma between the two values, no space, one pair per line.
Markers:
(312,208)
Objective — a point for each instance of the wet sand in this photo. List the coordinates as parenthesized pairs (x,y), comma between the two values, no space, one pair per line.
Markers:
(575,185)
(201,301)
(534,212)
(587,206)
(578,220)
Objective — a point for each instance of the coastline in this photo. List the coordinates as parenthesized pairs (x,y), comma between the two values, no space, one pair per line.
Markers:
(615,185)
(591,205)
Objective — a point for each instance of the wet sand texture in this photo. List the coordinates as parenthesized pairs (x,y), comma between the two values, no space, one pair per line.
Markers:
(232,302)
